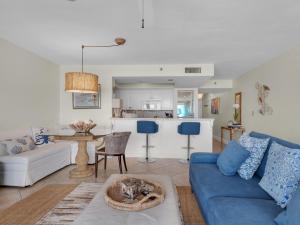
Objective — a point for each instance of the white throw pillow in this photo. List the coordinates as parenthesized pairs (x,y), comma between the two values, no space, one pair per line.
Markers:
(36,134)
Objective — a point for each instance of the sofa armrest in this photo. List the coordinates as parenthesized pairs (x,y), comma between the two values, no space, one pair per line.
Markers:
(204,157)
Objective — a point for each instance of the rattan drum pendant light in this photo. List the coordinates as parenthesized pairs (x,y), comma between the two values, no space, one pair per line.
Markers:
(83,82)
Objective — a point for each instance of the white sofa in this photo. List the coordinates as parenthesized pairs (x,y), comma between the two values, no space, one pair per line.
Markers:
(26,168)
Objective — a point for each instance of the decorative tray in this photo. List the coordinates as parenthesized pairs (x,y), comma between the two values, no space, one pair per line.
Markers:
(134,194)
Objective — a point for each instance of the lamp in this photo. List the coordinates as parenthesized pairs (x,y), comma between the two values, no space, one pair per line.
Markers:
(82,82)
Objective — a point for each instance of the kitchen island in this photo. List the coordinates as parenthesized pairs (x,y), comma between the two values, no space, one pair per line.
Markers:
(167,142)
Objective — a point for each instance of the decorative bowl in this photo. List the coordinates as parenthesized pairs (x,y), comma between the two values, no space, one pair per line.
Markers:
(83,126)
(134,194)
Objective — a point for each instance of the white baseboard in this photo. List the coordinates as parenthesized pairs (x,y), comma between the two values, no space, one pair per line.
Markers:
(219,139)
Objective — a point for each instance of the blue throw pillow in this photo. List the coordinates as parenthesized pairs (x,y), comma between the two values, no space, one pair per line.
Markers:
(231,158)
(257,148)
(282,173)
(291,215)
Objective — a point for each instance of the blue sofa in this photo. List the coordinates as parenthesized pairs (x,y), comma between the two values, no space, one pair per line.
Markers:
(231,200)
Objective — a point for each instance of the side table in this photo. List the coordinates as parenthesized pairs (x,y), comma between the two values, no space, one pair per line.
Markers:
(231,130)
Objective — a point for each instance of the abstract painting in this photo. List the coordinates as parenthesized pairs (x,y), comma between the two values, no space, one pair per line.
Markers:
(215,105)
(262,94)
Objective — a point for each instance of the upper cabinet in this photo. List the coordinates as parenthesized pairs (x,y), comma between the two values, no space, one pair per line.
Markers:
(146,99)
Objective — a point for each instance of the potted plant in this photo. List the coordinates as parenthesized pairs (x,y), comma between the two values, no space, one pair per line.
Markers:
(236,114)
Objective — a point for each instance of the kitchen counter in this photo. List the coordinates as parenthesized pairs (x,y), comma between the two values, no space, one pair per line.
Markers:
(167,142)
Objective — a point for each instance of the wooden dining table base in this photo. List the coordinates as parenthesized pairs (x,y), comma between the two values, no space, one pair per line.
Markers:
(82,158)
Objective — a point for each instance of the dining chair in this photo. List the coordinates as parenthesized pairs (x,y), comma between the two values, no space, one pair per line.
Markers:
(115,145)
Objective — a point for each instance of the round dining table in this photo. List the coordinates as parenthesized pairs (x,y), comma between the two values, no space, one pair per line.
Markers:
(82,169)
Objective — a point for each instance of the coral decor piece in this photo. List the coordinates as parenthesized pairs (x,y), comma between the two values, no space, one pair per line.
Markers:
(262,94)
(83,126)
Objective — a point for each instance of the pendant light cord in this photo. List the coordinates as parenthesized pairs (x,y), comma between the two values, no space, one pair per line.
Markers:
(82,47)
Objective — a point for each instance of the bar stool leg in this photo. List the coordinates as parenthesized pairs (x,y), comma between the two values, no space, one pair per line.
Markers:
(189,148)
(187,160)
(147,159)
(147,147)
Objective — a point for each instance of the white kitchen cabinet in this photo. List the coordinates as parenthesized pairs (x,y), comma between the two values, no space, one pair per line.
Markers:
(136,98)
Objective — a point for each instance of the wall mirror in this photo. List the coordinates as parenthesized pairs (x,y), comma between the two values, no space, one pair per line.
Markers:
(238,110)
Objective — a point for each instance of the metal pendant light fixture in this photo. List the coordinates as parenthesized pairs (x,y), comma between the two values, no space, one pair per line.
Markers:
(82,82)
(143,16)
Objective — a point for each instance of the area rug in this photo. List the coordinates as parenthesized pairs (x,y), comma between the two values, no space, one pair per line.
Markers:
(61,204)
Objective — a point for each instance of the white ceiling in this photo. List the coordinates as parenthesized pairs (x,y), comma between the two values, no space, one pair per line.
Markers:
(236,35)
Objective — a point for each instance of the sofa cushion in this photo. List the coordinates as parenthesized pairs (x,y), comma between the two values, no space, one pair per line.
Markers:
(261,168)
(257,148)
(241,211)
(204,157)
(208,182)
(232,158)
(282,173)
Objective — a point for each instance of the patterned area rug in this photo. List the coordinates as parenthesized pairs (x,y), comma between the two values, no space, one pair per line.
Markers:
(61,204)
(68,209)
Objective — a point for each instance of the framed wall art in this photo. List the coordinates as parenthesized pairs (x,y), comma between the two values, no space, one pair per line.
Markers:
(87,101)
(215,105)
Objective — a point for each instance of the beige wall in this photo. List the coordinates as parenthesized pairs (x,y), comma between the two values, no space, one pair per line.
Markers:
(226,112)
(282,75)
(29,89)
(100,116)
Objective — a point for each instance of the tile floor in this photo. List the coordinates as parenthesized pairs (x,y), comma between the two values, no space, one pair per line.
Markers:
(171,167)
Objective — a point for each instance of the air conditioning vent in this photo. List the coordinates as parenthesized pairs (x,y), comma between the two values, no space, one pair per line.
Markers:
(192,69)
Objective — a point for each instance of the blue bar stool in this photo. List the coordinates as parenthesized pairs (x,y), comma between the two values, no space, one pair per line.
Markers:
(147,127)
(188,128)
